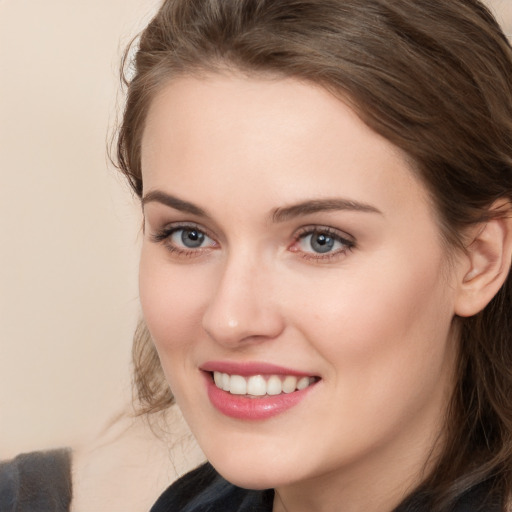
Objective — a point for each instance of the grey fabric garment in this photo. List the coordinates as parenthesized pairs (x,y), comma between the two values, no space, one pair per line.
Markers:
(36,482)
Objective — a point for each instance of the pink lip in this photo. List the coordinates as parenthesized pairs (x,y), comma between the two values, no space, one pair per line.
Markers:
(250,368)
(243,407)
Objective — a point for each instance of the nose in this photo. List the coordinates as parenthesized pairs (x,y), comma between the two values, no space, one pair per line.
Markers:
(243,307)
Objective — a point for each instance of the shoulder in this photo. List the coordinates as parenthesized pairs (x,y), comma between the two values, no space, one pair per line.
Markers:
(36,481)
(482,497)
(204,490)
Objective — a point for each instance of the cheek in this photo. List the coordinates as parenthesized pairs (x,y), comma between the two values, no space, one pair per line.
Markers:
(172,299)
(381,323)
(384,338)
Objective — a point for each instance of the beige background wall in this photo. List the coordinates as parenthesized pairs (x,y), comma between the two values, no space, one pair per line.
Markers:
(68,226)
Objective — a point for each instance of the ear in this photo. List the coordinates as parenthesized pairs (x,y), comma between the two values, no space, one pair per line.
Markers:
(486,262)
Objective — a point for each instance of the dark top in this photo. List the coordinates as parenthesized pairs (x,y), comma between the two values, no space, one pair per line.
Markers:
(41,482)
(204,490)
(36,482)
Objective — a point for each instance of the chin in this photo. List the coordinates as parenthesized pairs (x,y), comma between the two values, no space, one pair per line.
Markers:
(258,471)
(249,478)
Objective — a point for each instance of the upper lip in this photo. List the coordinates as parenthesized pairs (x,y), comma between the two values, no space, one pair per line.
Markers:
(250,368)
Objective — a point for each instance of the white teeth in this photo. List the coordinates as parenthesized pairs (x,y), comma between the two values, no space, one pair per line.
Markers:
(257,385)
(238,385)
(303,383)
(226,382)
(217,377)
(274,386)
(289,384)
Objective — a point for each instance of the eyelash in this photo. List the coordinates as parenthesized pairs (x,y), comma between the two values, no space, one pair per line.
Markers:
(337,236)
(164,236)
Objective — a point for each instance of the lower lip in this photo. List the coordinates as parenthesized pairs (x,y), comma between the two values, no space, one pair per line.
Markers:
(245,408)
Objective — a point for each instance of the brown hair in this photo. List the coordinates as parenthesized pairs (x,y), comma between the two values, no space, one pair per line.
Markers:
(434,77)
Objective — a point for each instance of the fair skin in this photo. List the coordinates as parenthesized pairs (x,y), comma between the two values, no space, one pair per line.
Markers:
(366,311)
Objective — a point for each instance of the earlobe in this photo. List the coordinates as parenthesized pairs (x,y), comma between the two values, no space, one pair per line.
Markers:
(486,262)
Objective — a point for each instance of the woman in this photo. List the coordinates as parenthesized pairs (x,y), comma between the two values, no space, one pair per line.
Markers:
(326,191)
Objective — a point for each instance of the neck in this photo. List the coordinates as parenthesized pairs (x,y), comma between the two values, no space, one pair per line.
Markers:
(379,482)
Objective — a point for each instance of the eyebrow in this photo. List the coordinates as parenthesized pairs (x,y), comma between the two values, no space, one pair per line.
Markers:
(174,202)
(321,205)
(279,215)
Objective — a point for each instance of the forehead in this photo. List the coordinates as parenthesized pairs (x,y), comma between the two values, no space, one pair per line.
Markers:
(258,139)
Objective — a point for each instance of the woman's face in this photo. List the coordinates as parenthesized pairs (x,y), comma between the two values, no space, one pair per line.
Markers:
(286,245)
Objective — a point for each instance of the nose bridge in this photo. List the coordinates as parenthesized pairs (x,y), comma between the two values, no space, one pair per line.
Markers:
(242,306)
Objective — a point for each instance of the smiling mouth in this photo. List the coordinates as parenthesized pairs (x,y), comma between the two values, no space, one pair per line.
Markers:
(257,386)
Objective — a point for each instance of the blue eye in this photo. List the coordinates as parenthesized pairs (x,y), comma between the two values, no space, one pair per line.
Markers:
(184,240)
(191,238)
(322,242)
